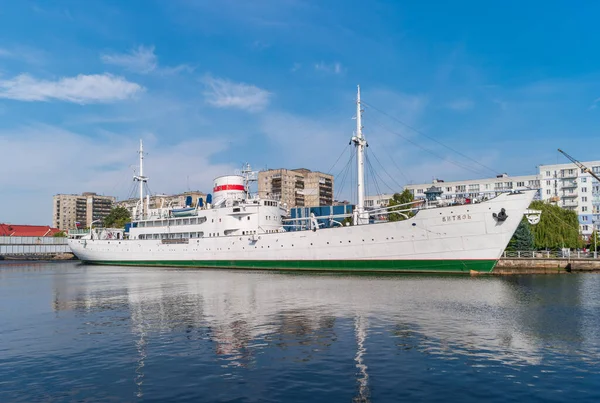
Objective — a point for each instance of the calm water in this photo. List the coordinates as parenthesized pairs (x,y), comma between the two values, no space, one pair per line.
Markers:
(70,332)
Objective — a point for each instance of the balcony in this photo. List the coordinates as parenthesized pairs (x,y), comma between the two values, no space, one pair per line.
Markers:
(568,185)
(569,204)
(566,175)
(568,195)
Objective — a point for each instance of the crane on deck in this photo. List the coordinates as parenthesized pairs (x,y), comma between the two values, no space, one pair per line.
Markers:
(580,165)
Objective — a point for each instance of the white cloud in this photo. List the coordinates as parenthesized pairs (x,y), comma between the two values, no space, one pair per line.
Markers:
(83,89)
(333,68)
(224,93)
(140,60)
(24,54)
(67,162)
(460,105)
(143,60)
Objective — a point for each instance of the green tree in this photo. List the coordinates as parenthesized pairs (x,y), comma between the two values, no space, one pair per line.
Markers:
(60,234)
(117,218)
(347,220)
(522,238)
(594,241)
(558,227)
(401,198)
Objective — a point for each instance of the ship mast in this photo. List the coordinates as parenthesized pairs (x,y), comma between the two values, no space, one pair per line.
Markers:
(141,179)
(360,143)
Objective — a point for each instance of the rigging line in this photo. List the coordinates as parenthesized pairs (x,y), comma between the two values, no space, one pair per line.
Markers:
(431,138)
(336,161)
(353,192)
(466,167)
(384,170)
(395,165)
(374,174)
(371,172)
(345,173)
(385,183)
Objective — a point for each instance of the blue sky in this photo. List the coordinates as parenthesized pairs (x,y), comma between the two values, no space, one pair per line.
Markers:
(212,84)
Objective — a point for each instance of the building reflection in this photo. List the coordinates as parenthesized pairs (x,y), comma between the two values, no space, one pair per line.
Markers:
(243,314)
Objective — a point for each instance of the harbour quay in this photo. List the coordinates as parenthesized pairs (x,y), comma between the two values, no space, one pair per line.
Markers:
(547,262)
(33,247)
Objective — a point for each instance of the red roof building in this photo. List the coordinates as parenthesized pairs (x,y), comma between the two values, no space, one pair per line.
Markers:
(27,230)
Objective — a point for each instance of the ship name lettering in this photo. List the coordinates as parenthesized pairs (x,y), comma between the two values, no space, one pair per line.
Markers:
(456,217)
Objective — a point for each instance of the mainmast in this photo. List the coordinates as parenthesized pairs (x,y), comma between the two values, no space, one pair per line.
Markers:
(141,179)
(360,143)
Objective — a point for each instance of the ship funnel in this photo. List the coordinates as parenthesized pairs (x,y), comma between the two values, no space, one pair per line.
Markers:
(229,187)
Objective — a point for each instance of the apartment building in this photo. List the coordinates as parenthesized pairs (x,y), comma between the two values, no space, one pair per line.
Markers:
(477,188)
(378,201)
(569,187)
(70,211)
(296,187)
(565,185)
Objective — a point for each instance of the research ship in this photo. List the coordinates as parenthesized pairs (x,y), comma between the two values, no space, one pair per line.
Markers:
(233,228)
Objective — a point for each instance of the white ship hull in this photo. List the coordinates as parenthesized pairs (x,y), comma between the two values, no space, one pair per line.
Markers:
(446,239)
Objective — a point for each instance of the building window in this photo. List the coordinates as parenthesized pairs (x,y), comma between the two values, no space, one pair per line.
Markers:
(419,190)
(584,227)
(583,190)
(548,183)
(520,184)
(584,218)
(584,199)
(583,180)
(548,192)
(547,173)
(583,209)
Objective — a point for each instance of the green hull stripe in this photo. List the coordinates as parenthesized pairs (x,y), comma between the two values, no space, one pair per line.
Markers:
(430,266)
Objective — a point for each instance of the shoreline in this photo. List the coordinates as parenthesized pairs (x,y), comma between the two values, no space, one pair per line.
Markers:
(508,266)
(49,257)
(505,266)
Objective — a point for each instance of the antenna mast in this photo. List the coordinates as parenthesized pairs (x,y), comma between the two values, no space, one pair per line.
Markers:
(360,144)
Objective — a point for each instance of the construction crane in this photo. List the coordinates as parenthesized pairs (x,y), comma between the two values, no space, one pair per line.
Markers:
(580,165)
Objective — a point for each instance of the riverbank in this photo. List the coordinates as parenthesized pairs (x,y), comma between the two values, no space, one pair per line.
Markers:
(34,257)
(507,266)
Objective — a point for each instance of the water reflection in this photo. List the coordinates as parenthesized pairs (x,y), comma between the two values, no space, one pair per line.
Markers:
(237,310)
(233,324)
(360,327)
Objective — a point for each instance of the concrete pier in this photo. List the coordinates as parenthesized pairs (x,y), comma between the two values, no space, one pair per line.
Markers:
(34,248)
(545,266)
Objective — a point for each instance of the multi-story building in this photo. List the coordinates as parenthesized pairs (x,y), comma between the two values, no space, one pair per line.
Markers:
(71,211)
(569,187)
(565,185)
(296,187)
(477,188)
(156,201)
(378,201)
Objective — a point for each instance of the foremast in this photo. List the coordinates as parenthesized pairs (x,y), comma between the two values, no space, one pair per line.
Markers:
(142,180)
(361,217)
